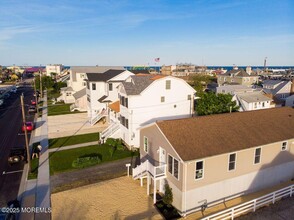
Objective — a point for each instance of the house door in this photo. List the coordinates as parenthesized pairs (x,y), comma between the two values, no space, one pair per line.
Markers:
(162,161)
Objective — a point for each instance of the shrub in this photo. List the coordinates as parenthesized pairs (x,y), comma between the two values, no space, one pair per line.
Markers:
(83,162)
(168,195)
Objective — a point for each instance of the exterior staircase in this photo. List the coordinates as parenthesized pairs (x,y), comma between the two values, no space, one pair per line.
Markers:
(109,131)
(95,119)
(73,107)
(156,172)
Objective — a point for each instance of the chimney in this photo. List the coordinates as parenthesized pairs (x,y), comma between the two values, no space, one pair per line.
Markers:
(292,87)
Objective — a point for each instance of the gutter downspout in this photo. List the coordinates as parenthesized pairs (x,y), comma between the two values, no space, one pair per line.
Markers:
(185,189)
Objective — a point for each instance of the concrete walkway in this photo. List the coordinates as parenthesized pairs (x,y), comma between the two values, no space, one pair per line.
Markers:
(43,181)
(36,193)
(73,146)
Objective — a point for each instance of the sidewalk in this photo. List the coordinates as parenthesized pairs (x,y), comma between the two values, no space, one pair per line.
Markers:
(73,146)
(36,193)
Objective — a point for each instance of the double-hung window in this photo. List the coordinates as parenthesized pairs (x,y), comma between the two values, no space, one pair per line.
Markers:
(173,166)
(284,146)
(145,144)
(199,170)
(257,155)
(232,161)
(93,86)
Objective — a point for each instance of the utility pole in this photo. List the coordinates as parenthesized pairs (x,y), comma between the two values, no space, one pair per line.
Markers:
(26,133)
(41,90)
(36,98)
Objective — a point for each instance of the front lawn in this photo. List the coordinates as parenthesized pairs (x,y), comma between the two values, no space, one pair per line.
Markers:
(34,169)
(71,140)
(63,161)
(60,109)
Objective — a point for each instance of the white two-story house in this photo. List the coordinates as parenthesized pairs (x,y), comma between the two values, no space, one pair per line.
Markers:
(102,90)
(76,82)
(148,98)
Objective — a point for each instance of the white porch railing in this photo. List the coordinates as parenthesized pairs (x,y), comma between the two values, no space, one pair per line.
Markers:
(253,204)
(110,130)
(155,171)
(97,117)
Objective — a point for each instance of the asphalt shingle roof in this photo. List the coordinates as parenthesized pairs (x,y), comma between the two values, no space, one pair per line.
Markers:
(205,136)
(96,77)
(250,97)
(138,84)
(80,93)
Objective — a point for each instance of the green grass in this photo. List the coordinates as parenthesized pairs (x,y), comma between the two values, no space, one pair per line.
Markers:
(60,109)
(34,169)
(61,161)
(71,140)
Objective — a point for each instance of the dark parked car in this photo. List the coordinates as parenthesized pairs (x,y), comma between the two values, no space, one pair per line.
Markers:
(32,109)
(17,155)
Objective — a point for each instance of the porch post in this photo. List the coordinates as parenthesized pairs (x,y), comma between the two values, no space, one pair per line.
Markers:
(148,183)
(154,192)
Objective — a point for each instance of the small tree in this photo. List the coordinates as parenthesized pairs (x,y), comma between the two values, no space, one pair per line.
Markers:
(168,195)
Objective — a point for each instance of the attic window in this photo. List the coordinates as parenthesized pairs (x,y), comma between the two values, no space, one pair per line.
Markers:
(167,84)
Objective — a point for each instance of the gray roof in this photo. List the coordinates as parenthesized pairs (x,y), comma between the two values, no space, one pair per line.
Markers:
(137,84)
(271,82)
(250,97)
(80,93)
(97,77)
(277,89)
(233,88)
(92,69)
(238,72)
(67,89)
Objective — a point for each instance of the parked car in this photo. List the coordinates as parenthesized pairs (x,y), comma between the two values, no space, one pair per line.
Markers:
(32,109)
(6,95)
(17,155)
(29,125)
(33,102)
(1,102)
(14,90)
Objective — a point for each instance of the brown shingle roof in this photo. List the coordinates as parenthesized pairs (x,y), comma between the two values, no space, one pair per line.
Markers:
(200,137)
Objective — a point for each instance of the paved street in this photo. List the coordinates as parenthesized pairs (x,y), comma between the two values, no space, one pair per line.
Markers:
(10,137)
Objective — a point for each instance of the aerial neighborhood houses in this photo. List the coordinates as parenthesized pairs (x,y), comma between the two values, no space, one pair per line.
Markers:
(154,113)
(210,159)
(238,76)
(243,86)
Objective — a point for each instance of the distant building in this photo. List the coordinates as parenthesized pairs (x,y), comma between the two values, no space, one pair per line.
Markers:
(278,89)
(238,76)
(54,68)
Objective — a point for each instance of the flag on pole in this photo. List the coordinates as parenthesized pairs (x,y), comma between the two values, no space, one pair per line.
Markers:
(157,59)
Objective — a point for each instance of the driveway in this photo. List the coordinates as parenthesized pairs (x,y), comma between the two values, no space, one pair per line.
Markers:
(71,124)
(120,198)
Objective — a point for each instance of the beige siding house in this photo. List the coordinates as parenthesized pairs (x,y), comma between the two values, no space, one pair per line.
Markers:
(237,76)
(210,159)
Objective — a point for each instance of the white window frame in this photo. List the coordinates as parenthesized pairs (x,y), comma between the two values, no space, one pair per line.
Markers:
(234,162)
(173,166)
(255,156)
(285,147)
(196,169)
(145,144)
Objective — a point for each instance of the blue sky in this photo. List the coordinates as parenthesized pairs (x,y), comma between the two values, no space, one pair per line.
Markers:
(134,32)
